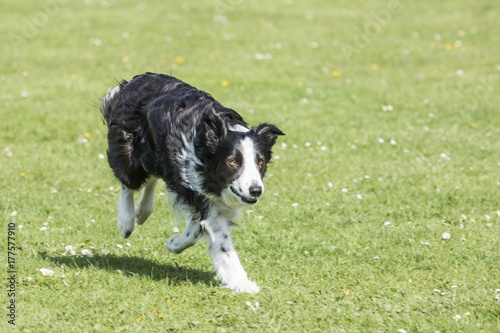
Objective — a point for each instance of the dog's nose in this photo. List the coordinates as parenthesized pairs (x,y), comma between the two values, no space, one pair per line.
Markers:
(255,191)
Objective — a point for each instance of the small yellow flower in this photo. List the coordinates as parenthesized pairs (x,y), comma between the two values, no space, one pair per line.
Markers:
(126,59)
(225,83)
(139,319)
(23,174)
(346,292)
(180,60)
(81,57)
(448,47)
(160,315)
(300,84)
(374,66)
(112,67)
(335,73)
(74,77)
(87,135)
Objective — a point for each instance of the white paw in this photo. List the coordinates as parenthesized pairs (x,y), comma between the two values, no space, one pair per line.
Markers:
(142,213)
(172,245)
(177,244)
(126,225)
(245,286)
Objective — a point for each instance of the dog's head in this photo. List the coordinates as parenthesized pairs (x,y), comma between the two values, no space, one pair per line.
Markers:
(235,158)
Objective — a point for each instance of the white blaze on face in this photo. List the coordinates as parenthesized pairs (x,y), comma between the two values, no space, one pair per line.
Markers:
(238,128)
(250,176)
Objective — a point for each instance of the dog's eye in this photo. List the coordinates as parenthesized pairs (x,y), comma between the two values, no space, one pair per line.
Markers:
(232,163)
(260,162)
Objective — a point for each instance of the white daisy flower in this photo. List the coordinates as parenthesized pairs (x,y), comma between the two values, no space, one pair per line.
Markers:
(87,253)
(46,271)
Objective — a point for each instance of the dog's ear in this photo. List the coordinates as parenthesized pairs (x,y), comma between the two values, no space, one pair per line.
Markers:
(213,125)
(210,130)
(267,133)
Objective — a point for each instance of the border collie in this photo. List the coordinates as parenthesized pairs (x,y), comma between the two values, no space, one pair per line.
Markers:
(159,127)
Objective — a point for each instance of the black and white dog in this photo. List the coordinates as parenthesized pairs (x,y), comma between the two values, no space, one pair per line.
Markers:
(213,165)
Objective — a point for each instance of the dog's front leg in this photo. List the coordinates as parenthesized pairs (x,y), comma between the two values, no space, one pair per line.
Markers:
(191,235)
(225,258)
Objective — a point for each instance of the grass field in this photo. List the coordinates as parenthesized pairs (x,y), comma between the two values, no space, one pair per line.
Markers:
(382,209)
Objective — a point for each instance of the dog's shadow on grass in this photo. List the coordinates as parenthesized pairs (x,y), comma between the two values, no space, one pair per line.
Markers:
(136,266)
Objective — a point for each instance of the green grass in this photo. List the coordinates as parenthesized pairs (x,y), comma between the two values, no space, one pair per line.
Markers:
(327,264)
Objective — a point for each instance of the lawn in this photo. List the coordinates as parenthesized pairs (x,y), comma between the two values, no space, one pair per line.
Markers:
(382,205)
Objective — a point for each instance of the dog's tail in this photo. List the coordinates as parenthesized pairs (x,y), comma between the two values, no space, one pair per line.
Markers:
(109,100)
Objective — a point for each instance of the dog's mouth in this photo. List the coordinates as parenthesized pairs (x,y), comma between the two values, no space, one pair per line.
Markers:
(249,201)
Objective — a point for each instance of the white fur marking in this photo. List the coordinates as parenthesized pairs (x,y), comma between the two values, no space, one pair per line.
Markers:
(181,157)
(126,212)
(109,96)
(225,259)
(146,205)
(189,162)
(190,236)
(238,128)
(250,175)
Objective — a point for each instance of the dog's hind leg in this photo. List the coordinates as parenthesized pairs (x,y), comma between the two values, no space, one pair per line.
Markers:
(190,236)
(146,205)
(126,211)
